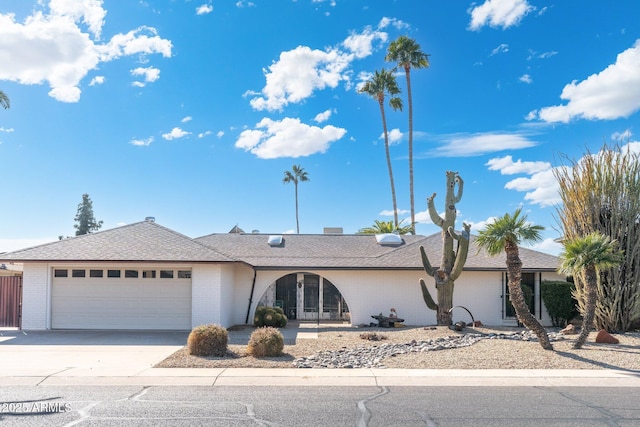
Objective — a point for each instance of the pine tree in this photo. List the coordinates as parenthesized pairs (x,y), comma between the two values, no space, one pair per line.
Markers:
(85,221)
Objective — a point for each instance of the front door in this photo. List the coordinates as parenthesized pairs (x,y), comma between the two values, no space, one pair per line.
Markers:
(305,296)
(286,295)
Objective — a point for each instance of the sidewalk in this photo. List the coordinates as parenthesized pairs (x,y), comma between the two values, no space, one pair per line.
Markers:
(332,377)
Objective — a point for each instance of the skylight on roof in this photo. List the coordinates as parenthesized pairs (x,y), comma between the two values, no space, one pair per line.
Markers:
(275,240)
(389,239)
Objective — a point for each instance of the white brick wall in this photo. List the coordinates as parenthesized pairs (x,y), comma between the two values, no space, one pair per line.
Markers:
(35,296)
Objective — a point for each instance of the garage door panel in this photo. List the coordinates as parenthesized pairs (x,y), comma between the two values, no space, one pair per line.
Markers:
(121,304)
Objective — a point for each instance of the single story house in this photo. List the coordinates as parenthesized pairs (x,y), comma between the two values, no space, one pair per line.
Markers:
(146,276)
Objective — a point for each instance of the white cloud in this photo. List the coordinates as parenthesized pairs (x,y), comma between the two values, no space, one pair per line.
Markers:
(97,80)
(502,48)
(544,55)
(204,9)
(89,11)
(244,3)
(541,188)
(203,134)
(141,142)
(175,133)
(297,74)
(507,166)
(8,130)
(287,138)
(499,13)
(395,136)
(361,45)
(475,144)
(389,212)
(481,225)
(323,117)
(549,246)
(220,134)
(622,136)
(52,46)
(301,71)
(186,119)
(613,93)
(394,22)
(526,78)
(150,75)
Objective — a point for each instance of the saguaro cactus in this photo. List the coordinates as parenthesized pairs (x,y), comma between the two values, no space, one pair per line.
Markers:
(452,261)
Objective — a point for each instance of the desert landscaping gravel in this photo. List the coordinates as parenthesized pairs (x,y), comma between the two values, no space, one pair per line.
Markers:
(424,348)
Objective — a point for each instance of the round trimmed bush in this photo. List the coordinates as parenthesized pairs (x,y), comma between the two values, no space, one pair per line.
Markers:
(208,340)
(269,316)
(265,342)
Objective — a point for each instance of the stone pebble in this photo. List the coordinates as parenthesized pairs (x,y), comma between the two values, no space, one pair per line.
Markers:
(373,356)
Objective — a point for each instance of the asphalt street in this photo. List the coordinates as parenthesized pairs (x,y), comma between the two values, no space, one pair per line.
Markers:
(317,406)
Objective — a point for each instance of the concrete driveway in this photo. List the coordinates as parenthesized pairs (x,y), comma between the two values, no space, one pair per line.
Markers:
(85,353)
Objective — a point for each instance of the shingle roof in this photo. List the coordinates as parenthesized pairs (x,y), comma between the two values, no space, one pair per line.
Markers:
(141,241)
(148,241)
(357,251)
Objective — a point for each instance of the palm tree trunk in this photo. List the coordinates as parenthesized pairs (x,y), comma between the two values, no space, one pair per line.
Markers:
(514,273)
(297,221)
(591,284)
(386,147)
(411,197)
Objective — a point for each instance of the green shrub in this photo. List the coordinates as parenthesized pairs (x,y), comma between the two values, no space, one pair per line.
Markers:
(269,316)
(558,298)
(208,340)
(265,342)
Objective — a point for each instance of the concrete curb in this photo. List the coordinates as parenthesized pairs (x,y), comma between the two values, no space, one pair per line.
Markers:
(332,377)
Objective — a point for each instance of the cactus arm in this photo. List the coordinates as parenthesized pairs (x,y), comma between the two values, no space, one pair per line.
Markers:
(425,262)
(463,250)
(460,185)
(433,213)
(427,296)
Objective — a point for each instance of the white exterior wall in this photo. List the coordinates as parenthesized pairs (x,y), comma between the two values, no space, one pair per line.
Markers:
(206,284)
(372,292)
(35,296)
(227,276)
(243,280)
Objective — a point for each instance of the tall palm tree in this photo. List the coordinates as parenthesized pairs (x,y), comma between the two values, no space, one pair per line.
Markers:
(4,100)
(407,53)
(296,175)
(584,257)
(382,83)
(382,227)
(505,234)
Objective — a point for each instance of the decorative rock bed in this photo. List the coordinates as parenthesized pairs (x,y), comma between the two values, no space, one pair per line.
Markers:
(373,356)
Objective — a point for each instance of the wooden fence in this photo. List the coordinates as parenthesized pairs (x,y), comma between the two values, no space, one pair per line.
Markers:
(10,301)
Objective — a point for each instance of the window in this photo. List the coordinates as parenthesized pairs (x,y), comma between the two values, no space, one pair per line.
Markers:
(184,274)
(96,273)
(131,274)
(113,273)
(60,273)
(148,274)
(78,273)
(166,274)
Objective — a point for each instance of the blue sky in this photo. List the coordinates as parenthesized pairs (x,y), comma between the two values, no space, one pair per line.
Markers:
(191,111)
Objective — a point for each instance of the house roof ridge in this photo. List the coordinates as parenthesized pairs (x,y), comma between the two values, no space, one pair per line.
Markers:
(71,238)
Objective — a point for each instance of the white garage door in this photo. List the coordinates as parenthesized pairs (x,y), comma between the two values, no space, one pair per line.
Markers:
(143,302)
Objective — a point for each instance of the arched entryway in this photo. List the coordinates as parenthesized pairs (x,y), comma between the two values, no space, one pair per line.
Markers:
(306,296)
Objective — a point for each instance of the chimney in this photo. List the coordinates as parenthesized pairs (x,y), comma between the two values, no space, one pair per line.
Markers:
(333,230)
